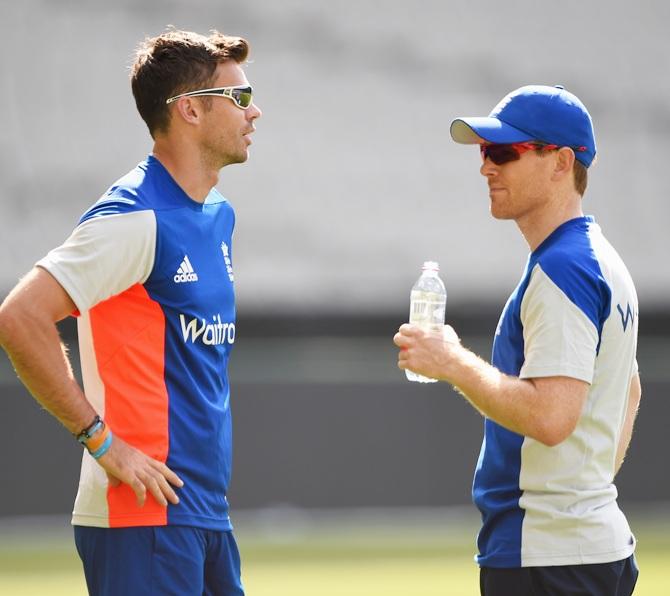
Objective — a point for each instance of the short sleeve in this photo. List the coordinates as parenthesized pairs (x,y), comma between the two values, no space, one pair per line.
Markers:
(559,338)
(104,256)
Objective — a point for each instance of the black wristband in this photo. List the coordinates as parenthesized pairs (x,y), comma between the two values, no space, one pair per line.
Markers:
(88,432)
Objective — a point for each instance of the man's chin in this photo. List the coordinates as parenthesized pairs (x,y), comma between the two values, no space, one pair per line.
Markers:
(499,215)
(233,159)
(242,156)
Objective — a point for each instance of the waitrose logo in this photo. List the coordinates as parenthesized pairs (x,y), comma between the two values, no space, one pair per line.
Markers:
(211,334)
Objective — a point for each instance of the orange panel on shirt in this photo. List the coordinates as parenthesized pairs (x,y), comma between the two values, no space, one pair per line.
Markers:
(129,341)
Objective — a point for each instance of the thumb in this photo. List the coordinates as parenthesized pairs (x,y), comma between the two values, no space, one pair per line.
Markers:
(449,335)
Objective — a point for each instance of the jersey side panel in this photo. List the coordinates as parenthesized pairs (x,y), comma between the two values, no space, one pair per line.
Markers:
(130,358)
(90,506)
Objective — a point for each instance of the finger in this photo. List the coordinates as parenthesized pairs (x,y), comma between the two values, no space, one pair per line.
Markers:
(409,330)
(140,491)
(402,341)
(403,359)
(167,473)
(399,340)
(154,488)
(167,490)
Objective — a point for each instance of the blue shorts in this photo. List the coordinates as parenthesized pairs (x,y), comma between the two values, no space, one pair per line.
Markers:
(600,579)
(159,560)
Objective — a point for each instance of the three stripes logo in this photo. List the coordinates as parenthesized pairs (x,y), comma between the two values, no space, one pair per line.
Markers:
(185,273)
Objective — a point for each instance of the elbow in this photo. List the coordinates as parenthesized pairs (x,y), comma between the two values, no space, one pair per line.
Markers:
(5,324)
(555,409)
(552,439)
(12,319)
(552,432)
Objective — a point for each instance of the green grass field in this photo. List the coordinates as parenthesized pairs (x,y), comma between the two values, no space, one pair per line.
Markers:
(324,559)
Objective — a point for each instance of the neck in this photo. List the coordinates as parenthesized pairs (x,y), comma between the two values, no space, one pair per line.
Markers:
(186,165)
(537,226)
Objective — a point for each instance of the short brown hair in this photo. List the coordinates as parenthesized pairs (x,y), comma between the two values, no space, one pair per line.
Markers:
(579,173)
(175,62)
(580,176)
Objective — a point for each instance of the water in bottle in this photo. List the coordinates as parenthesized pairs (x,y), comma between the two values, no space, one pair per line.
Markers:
(428,302)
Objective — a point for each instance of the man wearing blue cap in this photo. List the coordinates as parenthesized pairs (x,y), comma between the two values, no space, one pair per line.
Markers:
(561,395)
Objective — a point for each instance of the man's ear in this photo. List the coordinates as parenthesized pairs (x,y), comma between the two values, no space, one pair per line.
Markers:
(565,160)
(189,109)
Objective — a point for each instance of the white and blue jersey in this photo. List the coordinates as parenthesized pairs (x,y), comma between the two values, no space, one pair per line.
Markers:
(150,273)
(573,314)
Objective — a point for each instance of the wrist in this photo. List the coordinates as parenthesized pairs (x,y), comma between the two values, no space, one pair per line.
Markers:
(469,373)
(97,438)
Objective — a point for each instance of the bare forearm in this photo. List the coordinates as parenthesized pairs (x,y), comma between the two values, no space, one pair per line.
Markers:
(512,402)
(29,335)
(40,360)
(546,409)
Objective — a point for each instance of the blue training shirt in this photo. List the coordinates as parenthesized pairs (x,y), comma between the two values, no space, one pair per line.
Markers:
(150,271)
(573,314)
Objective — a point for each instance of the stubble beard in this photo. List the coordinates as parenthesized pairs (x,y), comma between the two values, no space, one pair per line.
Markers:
(218,156)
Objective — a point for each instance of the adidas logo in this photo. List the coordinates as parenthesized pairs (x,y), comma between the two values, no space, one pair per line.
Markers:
(185,273)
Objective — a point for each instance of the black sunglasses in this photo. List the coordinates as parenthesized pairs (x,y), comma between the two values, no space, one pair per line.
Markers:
(242,96)
(500,154)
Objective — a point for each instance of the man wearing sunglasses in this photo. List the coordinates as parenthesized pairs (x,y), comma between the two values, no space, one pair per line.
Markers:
(148,273)
(562,392)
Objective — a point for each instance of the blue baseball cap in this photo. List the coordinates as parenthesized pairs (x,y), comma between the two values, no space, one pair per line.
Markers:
(550,115)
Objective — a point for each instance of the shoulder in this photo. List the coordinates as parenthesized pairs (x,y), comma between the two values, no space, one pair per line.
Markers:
(569,257)
(571,265)
(148,186)
(132,192)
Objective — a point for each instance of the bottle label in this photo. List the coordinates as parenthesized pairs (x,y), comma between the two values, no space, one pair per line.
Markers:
(427,310)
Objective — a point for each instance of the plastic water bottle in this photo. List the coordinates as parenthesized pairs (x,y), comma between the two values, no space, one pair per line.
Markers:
(428,302)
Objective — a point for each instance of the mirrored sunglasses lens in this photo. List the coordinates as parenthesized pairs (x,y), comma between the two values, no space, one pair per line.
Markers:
(243,97)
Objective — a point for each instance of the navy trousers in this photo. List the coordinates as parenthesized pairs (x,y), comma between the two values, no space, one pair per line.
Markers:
(601,579)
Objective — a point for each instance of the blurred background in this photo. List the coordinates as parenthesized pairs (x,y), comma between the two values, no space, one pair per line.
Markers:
(352,183)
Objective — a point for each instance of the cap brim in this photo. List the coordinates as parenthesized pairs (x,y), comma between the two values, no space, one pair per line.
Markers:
(473,131)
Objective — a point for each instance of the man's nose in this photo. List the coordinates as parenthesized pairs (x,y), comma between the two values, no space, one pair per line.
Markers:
(253,112)
(488,168)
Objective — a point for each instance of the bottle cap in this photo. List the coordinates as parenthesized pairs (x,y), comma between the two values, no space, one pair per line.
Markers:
(430,266)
